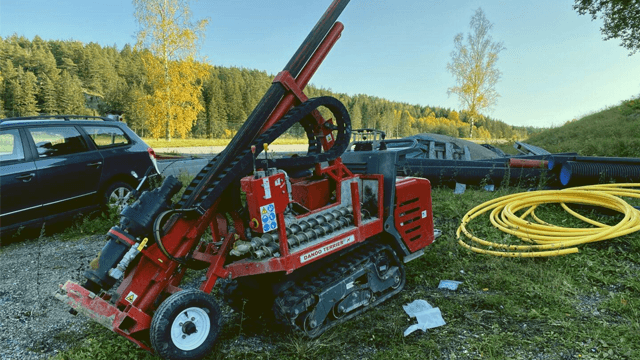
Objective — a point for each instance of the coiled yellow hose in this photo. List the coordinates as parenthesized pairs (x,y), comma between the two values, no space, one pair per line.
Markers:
(548,239)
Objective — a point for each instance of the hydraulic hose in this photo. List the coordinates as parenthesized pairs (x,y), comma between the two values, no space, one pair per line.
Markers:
(547,239)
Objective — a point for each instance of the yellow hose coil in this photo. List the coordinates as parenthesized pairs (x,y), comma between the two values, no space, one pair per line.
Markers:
(548,239)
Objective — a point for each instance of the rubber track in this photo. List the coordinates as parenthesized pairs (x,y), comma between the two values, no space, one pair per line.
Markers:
(241,165)
(305,291)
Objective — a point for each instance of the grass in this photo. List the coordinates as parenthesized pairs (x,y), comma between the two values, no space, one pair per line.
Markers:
(581,306)
(611,132)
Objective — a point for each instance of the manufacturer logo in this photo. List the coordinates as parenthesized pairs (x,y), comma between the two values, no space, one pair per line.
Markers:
(327,249)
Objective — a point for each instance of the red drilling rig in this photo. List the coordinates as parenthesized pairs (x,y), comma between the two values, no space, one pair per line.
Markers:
(317,239)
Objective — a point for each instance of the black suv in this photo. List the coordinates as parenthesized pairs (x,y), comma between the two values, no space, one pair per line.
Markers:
(52,167)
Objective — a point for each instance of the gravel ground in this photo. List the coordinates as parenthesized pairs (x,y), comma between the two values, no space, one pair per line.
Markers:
(33,324)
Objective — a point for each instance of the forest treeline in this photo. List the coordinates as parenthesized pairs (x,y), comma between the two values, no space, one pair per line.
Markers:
(68,77)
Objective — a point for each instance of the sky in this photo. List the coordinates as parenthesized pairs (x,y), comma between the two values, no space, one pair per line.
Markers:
(555,66)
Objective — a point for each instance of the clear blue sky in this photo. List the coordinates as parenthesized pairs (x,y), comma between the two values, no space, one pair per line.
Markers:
(556,66)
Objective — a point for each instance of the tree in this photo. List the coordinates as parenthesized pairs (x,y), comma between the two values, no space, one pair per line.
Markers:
(70,98)
(168,32)
(49,104)
(173,107)
(473,65)
(621,19)
(1,92)
(25,90)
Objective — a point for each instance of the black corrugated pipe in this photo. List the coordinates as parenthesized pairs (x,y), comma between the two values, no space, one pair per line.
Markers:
(557,161)
(576,173)
(477,175)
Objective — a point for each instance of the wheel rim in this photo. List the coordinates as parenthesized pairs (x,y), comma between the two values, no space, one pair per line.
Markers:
(190,328)
(119,198)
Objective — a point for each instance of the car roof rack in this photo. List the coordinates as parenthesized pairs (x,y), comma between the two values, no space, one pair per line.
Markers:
(59,117)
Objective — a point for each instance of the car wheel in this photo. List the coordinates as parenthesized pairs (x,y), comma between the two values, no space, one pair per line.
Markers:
(117,196)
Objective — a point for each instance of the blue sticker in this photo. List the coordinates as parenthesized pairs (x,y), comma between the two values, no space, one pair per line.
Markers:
(265,218)
(273,225)
(272,216)
(270,208)
(266,227)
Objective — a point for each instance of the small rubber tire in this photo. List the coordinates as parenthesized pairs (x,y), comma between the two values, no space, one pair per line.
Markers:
(168,336)
(114,196)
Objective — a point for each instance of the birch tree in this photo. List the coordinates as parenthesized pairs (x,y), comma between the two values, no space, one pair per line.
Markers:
(172,38)
(473,66)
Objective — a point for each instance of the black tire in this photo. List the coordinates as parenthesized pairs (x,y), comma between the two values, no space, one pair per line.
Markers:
(179,344)
(113,196)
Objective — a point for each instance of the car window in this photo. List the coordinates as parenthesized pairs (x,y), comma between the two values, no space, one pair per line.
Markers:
(57,141)
(105,136)
(11,146)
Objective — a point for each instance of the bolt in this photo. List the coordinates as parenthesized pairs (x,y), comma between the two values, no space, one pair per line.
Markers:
(313,324)
(184,336)
(193,319)
(180,324)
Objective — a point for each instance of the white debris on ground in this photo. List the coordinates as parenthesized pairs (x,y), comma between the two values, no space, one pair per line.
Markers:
(428,317)
(449,284)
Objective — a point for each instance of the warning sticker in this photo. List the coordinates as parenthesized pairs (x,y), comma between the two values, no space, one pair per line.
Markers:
(329,137)
(267,188)
(131,297)
(268,217)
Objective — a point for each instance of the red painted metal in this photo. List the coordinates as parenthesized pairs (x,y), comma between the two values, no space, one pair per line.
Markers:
(312,194)
(266,197)
(121,236)
(528,163)
(413,216)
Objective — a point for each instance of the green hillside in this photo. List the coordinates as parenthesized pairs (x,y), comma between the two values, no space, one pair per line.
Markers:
(69,77)
(611,132)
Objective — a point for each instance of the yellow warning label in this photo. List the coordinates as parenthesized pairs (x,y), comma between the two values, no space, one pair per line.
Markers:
(264,210)
(131,297)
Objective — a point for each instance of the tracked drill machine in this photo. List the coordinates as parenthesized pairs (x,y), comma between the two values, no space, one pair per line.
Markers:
(315,239)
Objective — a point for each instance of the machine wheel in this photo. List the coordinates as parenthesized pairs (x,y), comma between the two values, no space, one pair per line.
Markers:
(185,326)
(117,195)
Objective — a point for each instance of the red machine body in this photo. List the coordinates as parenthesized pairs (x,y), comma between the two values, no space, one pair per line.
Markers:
(266,197)
(358,227)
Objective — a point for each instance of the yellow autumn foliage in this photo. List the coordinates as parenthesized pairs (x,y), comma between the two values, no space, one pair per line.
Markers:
(174,104)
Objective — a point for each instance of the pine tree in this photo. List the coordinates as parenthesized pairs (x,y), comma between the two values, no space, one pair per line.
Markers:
(1,92)
(356,116)
(404,127)
(70,97)
(48,103)
(25,90)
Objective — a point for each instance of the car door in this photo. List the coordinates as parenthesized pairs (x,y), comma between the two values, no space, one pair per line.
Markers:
(19,196)
(68,169)
(115,148)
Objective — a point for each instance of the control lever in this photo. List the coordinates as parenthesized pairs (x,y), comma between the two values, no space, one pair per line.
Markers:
(135,194)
